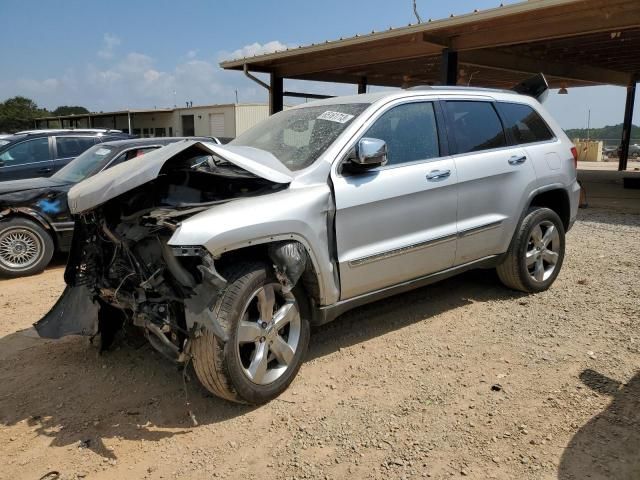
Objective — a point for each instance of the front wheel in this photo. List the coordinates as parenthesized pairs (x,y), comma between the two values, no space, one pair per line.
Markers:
(25,248)
(268,336)
(536,253)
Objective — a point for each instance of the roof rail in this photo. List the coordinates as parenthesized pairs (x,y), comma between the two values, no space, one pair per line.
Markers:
(462,88)
(79,130)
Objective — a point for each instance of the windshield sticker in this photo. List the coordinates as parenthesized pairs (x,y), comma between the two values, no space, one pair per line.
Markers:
(102,151)
(335,117)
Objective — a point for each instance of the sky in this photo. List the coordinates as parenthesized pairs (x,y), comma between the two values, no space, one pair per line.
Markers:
(144,54)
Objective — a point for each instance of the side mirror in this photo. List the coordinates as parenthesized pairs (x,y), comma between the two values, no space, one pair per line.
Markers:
(370,153)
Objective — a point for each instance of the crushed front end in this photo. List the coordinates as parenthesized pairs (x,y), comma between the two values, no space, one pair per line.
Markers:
(123,272)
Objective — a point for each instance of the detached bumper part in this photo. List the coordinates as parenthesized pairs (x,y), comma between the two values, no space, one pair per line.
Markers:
(198,309)
(75,313)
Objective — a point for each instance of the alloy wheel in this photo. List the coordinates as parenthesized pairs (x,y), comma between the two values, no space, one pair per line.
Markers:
(20,248)
(543,251)
(268,334)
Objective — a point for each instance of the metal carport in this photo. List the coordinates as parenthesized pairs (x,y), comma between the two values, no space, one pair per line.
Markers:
(573,42)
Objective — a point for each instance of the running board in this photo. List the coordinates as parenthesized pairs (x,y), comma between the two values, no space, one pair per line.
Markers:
(329,313)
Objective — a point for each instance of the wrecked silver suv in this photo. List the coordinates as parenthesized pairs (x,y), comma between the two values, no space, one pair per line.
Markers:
(225,255)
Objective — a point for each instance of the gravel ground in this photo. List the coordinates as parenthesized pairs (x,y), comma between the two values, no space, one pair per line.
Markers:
(460,379)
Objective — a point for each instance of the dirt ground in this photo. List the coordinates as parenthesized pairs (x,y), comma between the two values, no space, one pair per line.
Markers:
(463,378)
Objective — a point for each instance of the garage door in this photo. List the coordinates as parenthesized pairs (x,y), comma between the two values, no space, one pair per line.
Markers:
(216,124)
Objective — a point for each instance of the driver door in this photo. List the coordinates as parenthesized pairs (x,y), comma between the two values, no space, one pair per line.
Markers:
(398,222)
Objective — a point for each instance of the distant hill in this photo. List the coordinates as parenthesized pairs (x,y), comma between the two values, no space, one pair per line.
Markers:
(610,132)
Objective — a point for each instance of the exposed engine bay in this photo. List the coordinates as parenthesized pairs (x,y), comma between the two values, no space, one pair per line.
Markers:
(122,271)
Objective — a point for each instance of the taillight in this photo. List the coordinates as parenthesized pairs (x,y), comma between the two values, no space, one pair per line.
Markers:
(574,152)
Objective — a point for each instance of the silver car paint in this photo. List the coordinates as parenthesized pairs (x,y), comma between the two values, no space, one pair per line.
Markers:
(418,244)
(295,213)
(425,240)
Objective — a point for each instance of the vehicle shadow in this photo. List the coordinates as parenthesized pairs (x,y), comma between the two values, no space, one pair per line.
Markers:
(69,392)
(66,391)
(394,313)
(608,446)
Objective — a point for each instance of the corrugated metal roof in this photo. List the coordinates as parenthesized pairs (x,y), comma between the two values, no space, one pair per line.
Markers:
(424,27)
(574,42)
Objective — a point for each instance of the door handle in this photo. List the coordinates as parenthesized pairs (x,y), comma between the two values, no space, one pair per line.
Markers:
(517,160)
(45,170)
(438,174)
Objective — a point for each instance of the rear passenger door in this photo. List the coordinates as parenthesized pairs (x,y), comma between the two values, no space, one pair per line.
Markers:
(397,222)
(527,128)
(492,178)
(27,159)
(69,147)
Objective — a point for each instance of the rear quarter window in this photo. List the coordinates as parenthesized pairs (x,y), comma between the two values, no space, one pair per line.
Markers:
(524,124)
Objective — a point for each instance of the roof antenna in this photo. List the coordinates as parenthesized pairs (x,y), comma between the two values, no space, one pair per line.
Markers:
(415,11)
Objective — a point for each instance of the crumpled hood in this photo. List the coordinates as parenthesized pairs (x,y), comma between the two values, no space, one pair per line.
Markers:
(115,181)
(13,186)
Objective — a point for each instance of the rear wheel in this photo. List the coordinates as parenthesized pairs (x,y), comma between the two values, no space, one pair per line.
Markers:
(536,253)
(25,248)
(268,334)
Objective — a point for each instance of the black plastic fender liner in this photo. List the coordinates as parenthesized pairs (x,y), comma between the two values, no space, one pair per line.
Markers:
(75,313)
(290,261)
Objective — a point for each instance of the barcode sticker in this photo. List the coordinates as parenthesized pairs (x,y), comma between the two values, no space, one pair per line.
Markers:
(335,117)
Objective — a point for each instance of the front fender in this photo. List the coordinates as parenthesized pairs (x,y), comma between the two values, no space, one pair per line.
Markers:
(293,214)
(26,212)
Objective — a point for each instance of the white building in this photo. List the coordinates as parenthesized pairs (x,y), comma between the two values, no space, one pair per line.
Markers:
(228,120)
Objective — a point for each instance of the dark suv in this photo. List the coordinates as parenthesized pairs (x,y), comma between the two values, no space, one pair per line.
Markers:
(41,153)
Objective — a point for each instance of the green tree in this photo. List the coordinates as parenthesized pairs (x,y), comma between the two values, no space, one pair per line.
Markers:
(18,113)
(69,110)
(610,132)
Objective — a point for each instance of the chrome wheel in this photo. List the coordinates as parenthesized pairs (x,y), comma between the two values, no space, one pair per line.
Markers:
(268,334)
(543,251)
(20,248)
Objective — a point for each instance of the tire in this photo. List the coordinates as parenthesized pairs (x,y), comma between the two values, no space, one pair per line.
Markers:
(225,368)
(25,248)
(528,266)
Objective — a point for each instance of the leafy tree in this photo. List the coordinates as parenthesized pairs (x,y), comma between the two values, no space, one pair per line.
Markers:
(69,110)
(610,132)
(18,113)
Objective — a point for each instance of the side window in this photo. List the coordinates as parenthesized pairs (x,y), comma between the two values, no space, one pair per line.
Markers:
(524,123)
(35,150)
(475,126)
(128,155)
(73,146)
(410,131)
